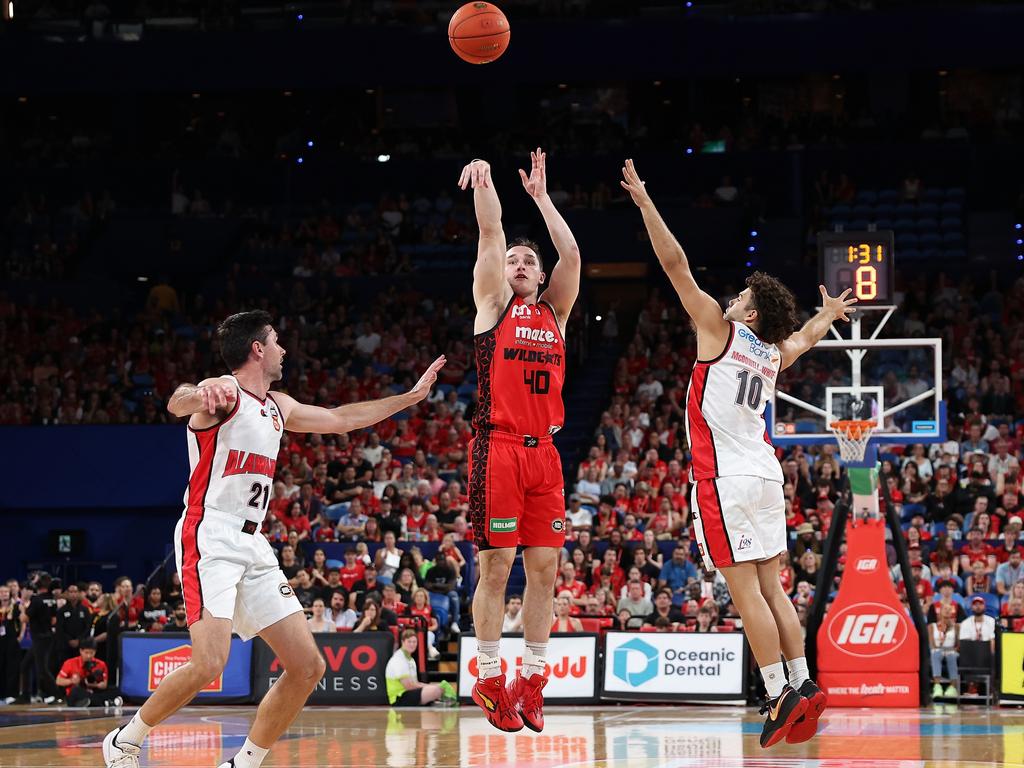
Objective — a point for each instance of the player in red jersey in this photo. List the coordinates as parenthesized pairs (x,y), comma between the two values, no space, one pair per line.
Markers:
(516,494)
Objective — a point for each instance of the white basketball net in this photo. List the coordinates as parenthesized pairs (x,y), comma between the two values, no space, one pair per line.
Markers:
(853,438)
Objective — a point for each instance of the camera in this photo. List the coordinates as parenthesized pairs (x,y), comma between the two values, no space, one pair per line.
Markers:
(93,673)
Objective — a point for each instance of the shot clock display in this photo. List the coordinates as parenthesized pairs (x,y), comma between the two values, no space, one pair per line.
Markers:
(860,261)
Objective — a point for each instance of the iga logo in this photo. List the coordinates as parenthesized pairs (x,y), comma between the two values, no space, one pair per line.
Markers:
(638,649)
(868,630)
(867,564)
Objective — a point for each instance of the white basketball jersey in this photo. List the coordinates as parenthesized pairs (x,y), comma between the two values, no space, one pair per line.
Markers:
(725,405)
(232,463)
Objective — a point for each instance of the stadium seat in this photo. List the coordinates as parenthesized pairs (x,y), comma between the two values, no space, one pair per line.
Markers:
(867,196)
(954,239)
(933,195)
(956,194)
(951,209)
(930,239)
(906,209)
(858,224)
(903,224)
(927,209)
(907,240)
(889,196)
(951,223)
(927,224)
(864,210)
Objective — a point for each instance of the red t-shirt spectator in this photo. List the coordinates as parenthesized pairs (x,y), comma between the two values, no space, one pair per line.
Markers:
(298,524)
(74,666)
(973,555)
(350,576)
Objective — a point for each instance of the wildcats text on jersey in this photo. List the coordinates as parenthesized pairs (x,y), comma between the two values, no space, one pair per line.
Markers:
(532,356)
(243,463)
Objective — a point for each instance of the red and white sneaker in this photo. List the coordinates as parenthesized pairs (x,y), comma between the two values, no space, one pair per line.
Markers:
(499,707)
(528,694)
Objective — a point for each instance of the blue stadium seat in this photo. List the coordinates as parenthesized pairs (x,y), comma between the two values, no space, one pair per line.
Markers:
(907,240)
(932,254)
(910,254)
(890,196)
(951,223)
(927,209)
(859,224)
(883,223)
(864,210)
(868,196)
(906,209)
(956,193)
(954,254)
(991,604)
(953,239)
(840,210)
(933,195)
(885,211)
(930,239)
(951,209)
(927,225)
(905,225)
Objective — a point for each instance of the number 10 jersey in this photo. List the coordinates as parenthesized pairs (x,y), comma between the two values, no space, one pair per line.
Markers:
(725,405)
(520,367)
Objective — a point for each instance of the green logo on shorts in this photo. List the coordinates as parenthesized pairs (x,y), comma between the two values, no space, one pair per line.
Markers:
(503,524)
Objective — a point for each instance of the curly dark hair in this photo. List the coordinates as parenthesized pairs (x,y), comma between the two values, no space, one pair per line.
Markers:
(775,305)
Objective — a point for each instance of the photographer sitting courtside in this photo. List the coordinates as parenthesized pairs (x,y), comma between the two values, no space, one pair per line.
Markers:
(86,680)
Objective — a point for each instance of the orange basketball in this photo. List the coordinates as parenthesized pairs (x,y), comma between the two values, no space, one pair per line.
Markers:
(478,33)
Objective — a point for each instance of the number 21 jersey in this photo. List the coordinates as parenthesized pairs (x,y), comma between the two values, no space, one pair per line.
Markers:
(725,405)
(520,367)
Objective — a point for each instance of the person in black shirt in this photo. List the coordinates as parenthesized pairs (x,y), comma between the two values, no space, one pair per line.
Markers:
(179,619)
(42,616)
(74,621)
(391,518)
(663,608)
(10,652)
(366,584)
(155,612)
(326,592)
(442,580)
(649,572)
(446,512)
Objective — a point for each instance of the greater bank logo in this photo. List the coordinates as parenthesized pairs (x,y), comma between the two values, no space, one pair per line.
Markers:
(644,655)
(757,347)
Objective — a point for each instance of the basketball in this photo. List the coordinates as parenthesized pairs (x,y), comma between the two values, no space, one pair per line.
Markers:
(478,33)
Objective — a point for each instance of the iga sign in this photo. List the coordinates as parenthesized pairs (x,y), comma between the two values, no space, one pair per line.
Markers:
(571,671)
(674,666)
(868,651)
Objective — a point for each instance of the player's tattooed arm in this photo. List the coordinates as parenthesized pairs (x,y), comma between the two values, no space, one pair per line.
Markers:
(299,417)
(706,313)
(564,285)
(489,285)
(210,397)
(832,308)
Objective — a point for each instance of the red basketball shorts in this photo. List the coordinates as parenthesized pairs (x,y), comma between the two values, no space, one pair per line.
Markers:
(516,491)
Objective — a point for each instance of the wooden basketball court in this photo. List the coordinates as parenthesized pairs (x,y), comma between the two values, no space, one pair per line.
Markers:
(637,737)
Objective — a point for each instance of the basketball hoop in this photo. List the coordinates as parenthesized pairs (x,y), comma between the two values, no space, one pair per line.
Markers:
(853,436)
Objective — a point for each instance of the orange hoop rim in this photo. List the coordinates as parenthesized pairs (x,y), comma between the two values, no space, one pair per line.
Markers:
(853,428)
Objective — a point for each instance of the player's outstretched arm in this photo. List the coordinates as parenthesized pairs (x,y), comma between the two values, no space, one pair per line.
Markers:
(564,285)
(705,311)
(832,309)
(299,417)
(489,285)
(207,402)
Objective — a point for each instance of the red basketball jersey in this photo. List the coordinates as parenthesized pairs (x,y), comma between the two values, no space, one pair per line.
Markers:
(520,366)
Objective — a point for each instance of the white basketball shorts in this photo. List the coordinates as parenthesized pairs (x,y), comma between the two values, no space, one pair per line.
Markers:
(738,518)
(232,573)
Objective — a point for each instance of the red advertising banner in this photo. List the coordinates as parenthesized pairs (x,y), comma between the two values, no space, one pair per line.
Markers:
(868,652)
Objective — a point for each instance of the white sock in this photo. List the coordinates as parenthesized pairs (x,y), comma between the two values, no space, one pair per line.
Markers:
(798,674)
(488,661)
(534,659)
(134,733)
(250,756)
(774,679)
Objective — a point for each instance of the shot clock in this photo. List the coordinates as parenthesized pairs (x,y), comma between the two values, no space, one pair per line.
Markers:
(860,261)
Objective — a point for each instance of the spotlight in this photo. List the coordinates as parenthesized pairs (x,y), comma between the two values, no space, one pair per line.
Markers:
(753,233)
(598,318)
(300,17)
(383,158)
(309,143)
(750,263)
(689,150)
(751,248)
(299,160)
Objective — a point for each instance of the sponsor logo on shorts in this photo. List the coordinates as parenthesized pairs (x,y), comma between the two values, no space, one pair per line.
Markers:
(558,525)
(503,524)
(285,590)
(744,543)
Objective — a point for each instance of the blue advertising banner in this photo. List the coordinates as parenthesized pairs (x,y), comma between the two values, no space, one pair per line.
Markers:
(148,657)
